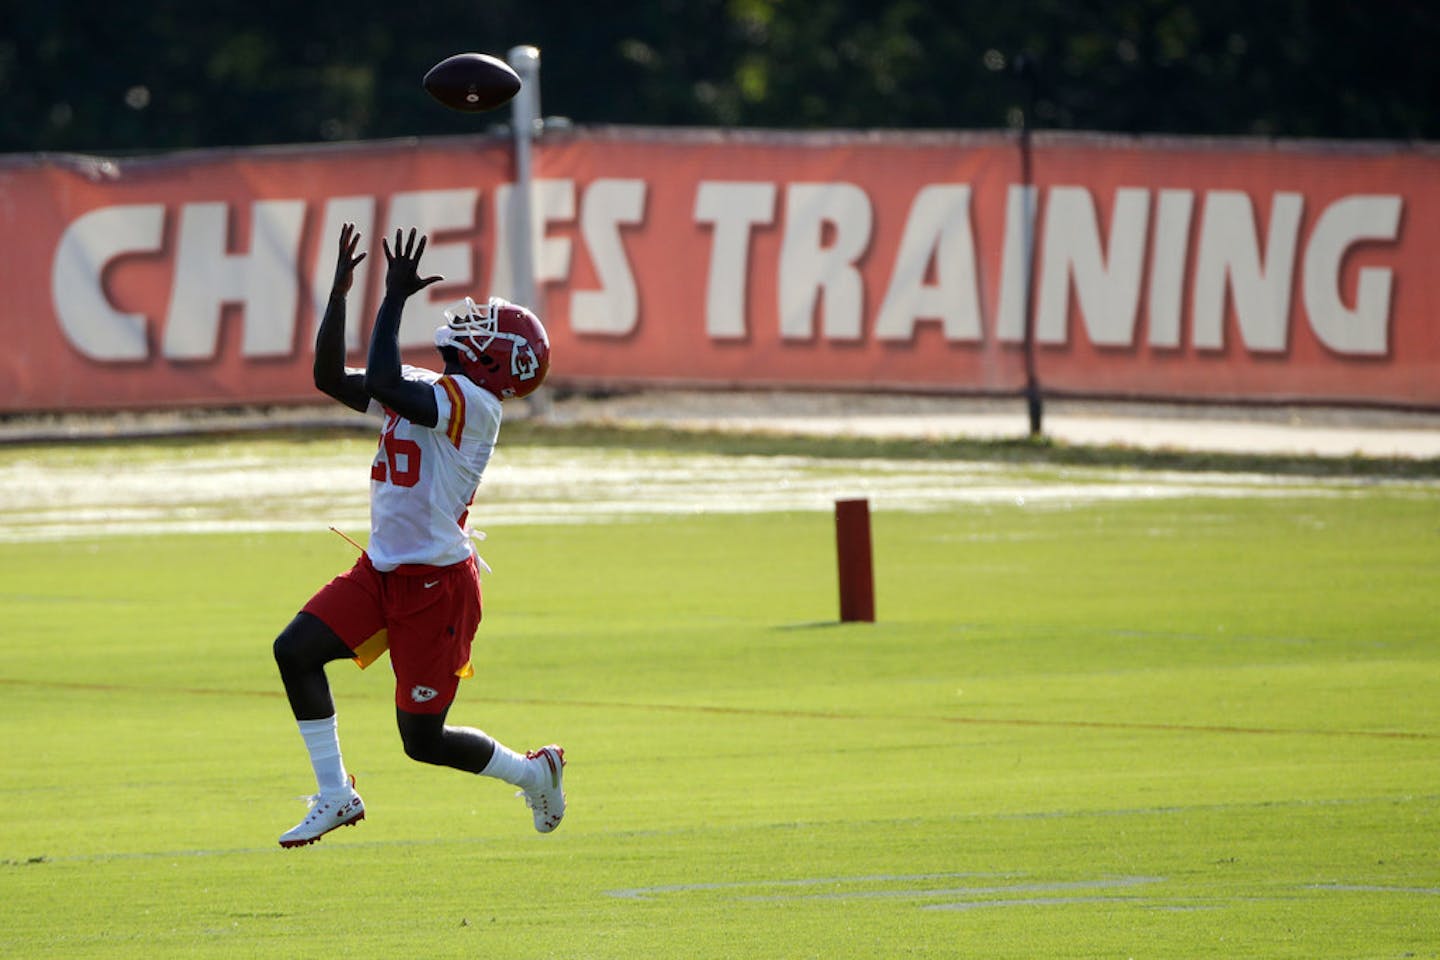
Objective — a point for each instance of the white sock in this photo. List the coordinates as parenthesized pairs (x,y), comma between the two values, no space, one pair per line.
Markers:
(505,764)
(322,740)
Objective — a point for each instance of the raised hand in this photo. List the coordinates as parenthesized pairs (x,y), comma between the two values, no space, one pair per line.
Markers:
(347,261)
(402,276)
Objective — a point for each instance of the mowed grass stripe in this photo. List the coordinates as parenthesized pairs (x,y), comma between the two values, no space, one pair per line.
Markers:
(780,714)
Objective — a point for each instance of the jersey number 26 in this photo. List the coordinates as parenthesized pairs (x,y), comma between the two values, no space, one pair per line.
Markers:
(397,460)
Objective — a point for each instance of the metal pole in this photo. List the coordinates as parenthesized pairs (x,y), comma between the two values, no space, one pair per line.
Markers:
(1034,404)
(525,117)
(525,123)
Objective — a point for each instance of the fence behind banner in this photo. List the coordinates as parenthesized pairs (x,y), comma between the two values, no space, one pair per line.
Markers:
(1158,268)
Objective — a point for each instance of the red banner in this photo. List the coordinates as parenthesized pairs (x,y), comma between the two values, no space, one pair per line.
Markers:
(1142,267)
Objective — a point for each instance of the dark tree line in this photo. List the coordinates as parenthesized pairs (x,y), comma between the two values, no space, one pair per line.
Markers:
(81,75)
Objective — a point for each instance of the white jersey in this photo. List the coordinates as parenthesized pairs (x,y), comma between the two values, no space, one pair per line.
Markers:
(424,478)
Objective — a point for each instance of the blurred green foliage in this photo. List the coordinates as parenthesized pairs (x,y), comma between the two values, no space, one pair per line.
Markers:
(80,75)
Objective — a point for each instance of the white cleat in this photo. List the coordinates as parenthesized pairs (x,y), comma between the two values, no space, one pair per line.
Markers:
(547,801)
(327,812)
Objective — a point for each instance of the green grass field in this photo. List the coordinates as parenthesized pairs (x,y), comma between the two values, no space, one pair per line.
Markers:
(1159,727)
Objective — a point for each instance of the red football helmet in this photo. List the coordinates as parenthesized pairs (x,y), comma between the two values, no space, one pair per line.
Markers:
(502,346)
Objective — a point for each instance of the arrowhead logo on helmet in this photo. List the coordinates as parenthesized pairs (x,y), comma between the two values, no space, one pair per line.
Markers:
(501,345)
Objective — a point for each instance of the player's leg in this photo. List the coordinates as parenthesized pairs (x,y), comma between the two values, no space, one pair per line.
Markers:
(539,774)
(342,621)
(428,739)
(302,650)
(433,619)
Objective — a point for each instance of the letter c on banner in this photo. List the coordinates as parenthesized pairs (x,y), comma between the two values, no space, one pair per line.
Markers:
(87,318)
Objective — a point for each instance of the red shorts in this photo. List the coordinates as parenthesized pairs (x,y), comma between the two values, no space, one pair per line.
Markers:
(426,616)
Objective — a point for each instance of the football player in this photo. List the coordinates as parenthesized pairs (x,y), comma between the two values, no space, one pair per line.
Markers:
(415,589)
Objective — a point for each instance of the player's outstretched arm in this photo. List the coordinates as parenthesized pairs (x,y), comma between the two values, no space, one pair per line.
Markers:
(413,400)
(332,377)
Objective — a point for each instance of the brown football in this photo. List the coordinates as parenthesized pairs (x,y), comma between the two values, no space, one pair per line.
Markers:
(472,82)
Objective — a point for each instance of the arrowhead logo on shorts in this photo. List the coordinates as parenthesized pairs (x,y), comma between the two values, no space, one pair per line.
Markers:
(420,694)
